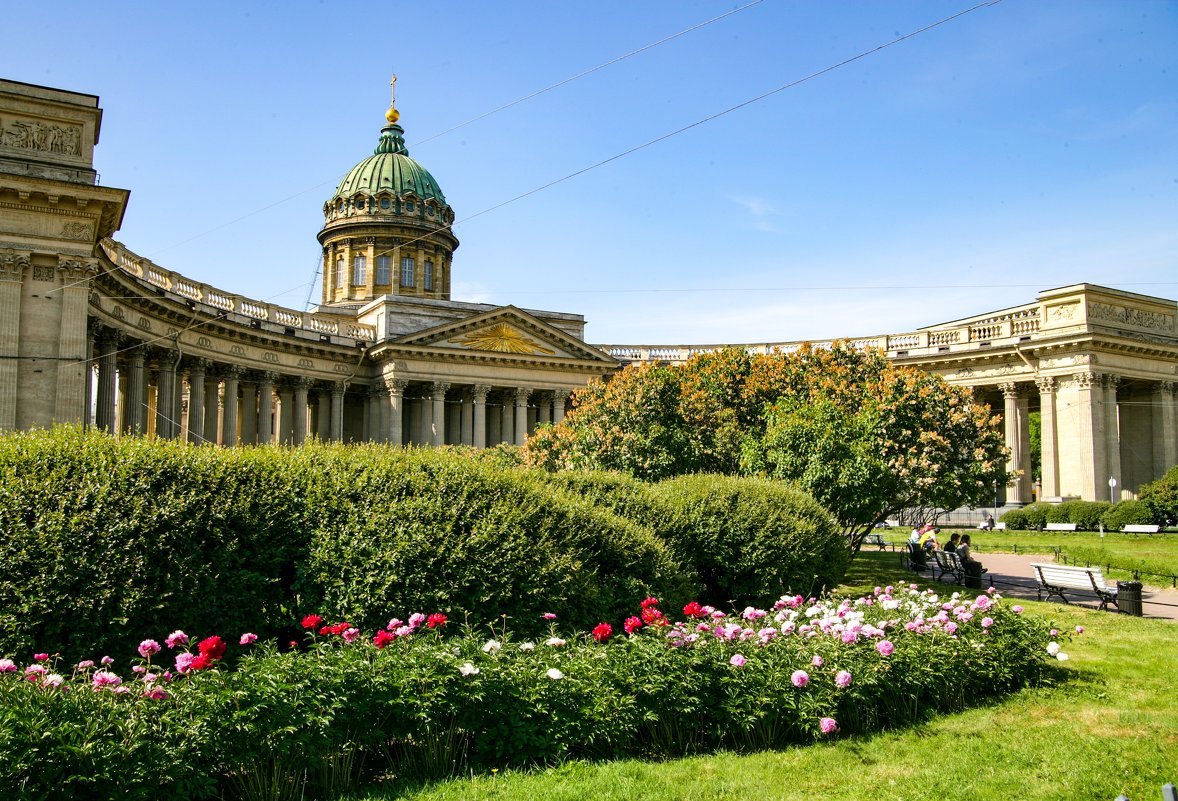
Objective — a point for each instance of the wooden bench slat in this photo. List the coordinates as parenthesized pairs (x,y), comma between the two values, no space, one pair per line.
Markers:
(1055,579)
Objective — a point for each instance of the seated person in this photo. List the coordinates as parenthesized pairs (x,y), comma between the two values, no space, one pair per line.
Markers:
(928,540)
(964,552)
(951,545)
(987,523)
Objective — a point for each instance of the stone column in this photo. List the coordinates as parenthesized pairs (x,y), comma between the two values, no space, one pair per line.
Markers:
(229,418)
(13,265)
(1049,453)
(104,413)
(1165,438)
(212,430)
(1018,440)
(337,412)
(266,408)
(165,403)
(91,366)
(544,412)
(136,395)
(377,404)
(323,415)
(286,413)
(1112,433)
(395,417)
(438,413)
(479,429)
(299,411)
(249,413)
(466,418)
(72,403)
(559,398)
(506,413)
(1083,468)
(521,414)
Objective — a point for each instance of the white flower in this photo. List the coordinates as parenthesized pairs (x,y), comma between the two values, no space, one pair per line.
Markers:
(1052,648)
(467,669)
(554,674)
(527,646)
(1062,657)
(555,642)
(492,646)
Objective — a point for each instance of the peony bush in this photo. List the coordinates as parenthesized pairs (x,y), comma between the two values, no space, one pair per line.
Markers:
(341,705)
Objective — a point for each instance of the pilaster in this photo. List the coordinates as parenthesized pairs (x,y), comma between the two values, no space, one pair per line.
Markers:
(438,399)
(13,265)
(479,429)
(1049,445)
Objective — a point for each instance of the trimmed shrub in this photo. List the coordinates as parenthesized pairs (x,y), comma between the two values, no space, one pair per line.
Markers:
(1127,513)
(1036,515)
(1161,498)
(1085,514)
(1016,520)
(102,540)
(744,538)
(422,529)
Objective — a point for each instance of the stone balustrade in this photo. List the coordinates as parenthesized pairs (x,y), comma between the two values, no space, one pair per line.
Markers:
(188,289)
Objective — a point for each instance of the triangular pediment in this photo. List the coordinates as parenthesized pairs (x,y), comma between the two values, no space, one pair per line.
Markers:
(505,331)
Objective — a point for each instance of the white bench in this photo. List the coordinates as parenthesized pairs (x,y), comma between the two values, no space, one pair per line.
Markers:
(1141,528)
(1060,527)
(1000,527)
(1055,579)
(875,539)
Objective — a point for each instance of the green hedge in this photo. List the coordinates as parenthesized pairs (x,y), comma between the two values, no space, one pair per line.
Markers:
(402,531)
(744,538)
(1161,497)
(1087,515)
(105,542)
(1126,513)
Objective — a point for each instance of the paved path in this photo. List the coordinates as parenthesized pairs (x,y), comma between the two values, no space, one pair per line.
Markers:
(1013,576)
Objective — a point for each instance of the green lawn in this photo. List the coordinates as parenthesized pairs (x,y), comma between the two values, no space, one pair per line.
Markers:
(1105,725)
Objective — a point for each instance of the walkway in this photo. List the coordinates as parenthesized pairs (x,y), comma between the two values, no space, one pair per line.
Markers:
(1013,576)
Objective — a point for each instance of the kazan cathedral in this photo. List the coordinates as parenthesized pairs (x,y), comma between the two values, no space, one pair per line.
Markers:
(92,333)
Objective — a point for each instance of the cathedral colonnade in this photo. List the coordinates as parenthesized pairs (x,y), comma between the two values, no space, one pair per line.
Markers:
(143,389)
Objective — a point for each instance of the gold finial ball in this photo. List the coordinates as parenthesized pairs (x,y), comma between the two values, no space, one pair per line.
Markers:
(392,115)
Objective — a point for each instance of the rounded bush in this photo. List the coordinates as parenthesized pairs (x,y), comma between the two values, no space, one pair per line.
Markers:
(1085,514)
(1161,498)
(1016,520)
(1127,513)
(1037,515)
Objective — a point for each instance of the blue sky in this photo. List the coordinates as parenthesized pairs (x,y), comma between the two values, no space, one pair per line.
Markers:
(1023,146)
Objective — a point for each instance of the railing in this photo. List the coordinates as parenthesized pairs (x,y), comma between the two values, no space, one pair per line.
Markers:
(170,281)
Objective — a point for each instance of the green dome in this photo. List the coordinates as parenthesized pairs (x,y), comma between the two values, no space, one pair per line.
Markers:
(389,169)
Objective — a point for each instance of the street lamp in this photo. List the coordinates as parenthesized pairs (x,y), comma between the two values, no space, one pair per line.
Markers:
(1112,490)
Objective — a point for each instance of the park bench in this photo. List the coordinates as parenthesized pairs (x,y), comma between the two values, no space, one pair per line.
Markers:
(951,564)
(875,539)
(1056,579)
(1060,527)
(916,559)
(1141,528)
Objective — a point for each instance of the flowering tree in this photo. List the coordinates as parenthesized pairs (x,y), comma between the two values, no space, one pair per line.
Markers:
(863,436)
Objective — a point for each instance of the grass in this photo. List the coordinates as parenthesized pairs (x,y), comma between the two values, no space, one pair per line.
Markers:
(1105,725)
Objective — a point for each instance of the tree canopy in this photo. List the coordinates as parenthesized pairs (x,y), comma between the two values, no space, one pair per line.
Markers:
(865,437)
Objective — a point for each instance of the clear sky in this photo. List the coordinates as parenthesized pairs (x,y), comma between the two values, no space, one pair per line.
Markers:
(1023,146)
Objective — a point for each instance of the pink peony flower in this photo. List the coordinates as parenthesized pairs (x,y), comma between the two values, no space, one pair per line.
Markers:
(1079,629)
(104,678)
(602,632)
(184,662)
(395,624)
(549,616)
(1055,632)
(416,619)
(138,669)
(41,657)
(842,679)
(351,635)
(248,639)
(36,670)
(106,660)
(85,663)
(7,666)
(148,647)
(885,647)
(177,637)
(737,660)
(828,725)
(1018,610)
(53,680)
(799,678)
(987,622)
(816,661)
(155,692)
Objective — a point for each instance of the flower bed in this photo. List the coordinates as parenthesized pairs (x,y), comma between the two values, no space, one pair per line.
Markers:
(347,706)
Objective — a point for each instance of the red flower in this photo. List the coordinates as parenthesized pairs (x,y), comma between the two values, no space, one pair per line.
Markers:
(632,625)
(212,647)
(325,630)
(201,662)
(383,638)
(602,632)
(435,620)
(651,615)
(650,602)
(311,621)
(693,609)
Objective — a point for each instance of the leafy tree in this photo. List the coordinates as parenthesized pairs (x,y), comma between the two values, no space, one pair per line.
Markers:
(863,436)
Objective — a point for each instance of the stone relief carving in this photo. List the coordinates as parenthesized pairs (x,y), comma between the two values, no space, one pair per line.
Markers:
(501,338)
(1135,317)
(342,368)
(43,273)
(204,342)
(237,350)
(310,365)
(270,356)
(1064,312)
(118,313)
(32,135)
(145,324)
(76,230)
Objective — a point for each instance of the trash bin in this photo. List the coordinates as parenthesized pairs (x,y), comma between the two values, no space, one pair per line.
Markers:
(1129,597)
(973,575)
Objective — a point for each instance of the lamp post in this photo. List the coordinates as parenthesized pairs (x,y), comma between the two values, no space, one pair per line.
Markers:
(1112,490)
(995,500)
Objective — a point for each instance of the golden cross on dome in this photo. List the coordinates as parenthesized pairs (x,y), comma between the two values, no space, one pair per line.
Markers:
(392,115)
